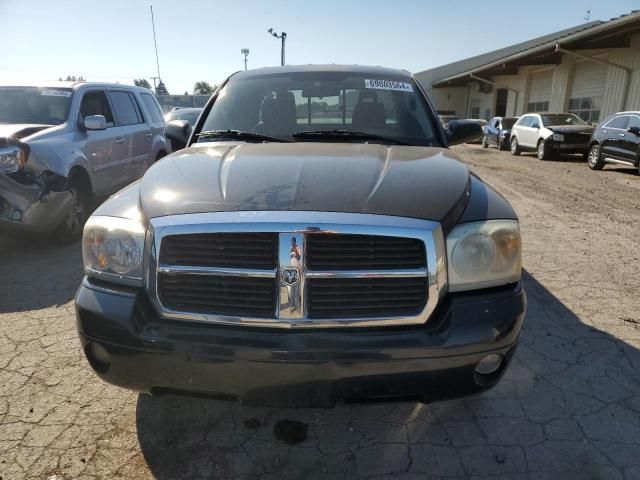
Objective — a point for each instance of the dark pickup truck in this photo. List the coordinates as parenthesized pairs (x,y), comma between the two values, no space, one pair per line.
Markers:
(315,241)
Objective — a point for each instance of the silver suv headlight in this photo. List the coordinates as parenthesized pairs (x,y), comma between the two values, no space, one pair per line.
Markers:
(112,249)
(484,254)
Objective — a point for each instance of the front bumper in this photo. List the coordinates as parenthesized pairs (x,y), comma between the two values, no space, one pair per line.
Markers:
(30,205)
(309,368)
(562,147)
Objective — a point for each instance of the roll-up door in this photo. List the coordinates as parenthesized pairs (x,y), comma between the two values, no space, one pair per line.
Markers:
(587,90)
(540,91)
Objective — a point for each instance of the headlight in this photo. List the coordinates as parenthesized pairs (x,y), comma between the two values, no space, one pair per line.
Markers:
(12,159)
(113,249)
(484,254)
(558,137)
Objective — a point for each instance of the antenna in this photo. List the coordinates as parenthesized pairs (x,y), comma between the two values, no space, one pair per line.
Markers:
(155,44)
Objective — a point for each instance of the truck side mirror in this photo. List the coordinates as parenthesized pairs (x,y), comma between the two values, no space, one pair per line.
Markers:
(178,131)
(463,131)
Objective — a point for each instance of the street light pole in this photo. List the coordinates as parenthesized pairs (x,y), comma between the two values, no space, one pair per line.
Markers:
(283,37)
(245,52)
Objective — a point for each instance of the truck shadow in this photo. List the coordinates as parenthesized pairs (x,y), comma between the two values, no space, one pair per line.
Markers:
(37,274)
(567,408)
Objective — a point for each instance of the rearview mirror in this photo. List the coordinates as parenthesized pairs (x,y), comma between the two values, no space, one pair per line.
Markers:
(321,91)
(462,131)
(634,130)
(178,131)
(95,122)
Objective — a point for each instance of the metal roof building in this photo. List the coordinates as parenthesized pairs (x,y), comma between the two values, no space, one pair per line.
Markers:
(592,69)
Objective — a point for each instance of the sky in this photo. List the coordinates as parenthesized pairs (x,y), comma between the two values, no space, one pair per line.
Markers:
(201,40)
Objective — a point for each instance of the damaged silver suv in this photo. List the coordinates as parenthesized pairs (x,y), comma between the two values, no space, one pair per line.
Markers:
(64,144)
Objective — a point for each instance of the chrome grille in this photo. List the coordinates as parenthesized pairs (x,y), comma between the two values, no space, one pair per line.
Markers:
(313,270)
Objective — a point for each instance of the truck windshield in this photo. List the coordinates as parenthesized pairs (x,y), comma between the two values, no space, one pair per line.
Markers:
(44,106)
(301,106)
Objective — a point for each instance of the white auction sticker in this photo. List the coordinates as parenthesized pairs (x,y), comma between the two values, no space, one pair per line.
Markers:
(388,85)
(55,93)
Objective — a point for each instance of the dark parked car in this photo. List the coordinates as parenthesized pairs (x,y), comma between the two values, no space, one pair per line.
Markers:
(483,123)
(281,259)
(550,134)
(184,113)
(498,132)
(616,140)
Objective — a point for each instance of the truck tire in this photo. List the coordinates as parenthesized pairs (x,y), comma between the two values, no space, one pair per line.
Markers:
(70,229)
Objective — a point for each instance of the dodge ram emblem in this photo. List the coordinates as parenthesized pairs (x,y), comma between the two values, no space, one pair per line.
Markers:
(290,276)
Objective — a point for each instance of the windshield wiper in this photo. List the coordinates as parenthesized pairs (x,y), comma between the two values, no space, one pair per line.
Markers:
(240,135)
(348,135)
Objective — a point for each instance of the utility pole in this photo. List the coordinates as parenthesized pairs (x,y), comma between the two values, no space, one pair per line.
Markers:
(283,37)
(245,52)
(155,44)
(154,83)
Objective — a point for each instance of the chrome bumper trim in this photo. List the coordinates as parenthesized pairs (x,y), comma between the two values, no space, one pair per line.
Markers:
(418,272)
(227,272)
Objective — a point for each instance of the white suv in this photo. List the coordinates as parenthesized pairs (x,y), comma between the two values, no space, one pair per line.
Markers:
(63,144)
(549,134)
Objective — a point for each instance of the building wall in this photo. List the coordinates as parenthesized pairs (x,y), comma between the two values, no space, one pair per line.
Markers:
(617,85)
(450,99)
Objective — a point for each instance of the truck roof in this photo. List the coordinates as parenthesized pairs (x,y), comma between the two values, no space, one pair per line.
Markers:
(369,70)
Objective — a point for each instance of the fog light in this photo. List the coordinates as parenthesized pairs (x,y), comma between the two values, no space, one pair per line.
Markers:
(98,357)
(489,364)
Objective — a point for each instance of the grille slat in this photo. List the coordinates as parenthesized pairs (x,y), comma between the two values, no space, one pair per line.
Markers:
(365,297)
(217,294)
(363,252)
(233,250)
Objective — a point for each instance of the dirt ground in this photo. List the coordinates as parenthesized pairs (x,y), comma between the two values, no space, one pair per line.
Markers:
(569,406)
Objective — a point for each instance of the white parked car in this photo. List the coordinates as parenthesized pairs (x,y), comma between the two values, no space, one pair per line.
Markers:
(550,134)
(63,144)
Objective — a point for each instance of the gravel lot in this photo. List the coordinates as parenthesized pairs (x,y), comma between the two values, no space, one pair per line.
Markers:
(569,407)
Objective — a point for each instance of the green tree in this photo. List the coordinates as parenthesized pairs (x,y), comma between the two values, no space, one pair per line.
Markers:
(202,88)
(161,89)
(141,82)
(73,78)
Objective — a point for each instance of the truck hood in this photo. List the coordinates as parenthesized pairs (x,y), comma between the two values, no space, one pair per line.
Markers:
(20,130)
(417,182)
(571,129)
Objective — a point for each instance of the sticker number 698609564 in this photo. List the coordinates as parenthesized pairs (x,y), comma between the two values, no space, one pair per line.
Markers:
(388,85)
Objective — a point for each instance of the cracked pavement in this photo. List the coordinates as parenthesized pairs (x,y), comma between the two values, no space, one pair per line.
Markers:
(568,407)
